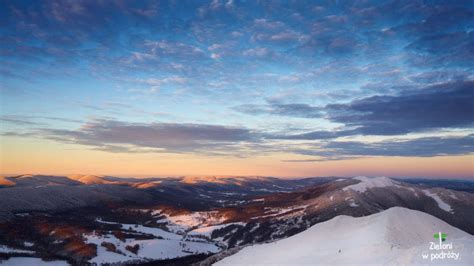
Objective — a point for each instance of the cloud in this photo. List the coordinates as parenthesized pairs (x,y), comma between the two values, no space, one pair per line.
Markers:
(314,135)
(443,49)
(178,49)
(281,109)
(152,85)
(259,52)
(443,18)
(323,159)
(215,56)
(448,105)
(216,6)
(376,68)
(437,77)
(270,31)
(123,137)
(32,120)
(155,137)
(215,46)
(154,51)
(268,24)
(156,82)
(18,121)
(421,147)
(284,36)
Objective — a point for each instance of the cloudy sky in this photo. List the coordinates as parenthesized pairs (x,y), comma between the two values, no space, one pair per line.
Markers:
(282,88)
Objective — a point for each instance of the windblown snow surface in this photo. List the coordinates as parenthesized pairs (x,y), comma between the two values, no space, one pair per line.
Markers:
(394,236)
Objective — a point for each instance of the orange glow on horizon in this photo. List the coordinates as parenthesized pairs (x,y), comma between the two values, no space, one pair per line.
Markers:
(40,157)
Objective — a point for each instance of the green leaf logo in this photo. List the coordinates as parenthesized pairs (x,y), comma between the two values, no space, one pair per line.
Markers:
(442,235)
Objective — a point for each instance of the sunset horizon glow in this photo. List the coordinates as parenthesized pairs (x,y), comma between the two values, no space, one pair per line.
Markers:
(272,88)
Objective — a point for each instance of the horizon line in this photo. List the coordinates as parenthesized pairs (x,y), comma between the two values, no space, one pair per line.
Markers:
(229,176)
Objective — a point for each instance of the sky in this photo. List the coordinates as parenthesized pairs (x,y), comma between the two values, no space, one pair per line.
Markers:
(279,88)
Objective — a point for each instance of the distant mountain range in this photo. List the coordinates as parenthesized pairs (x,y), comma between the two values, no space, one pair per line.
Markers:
(183,220)
(52,193)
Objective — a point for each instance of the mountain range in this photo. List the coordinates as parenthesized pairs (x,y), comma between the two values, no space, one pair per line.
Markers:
(85,219)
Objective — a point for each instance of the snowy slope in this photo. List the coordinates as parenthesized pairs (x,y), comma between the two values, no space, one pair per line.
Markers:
(167,245)
(394,236)
(150,249)
(443,205)
(371,182)
(5,249)
(26,261)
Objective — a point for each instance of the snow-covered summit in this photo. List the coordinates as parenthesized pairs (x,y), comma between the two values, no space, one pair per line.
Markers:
(89,179)
(371,182)
(394,236)
(222,179)
(6,182)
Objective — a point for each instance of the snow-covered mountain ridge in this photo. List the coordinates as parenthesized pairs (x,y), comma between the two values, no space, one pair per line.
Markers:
(395,236)
(371,182)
